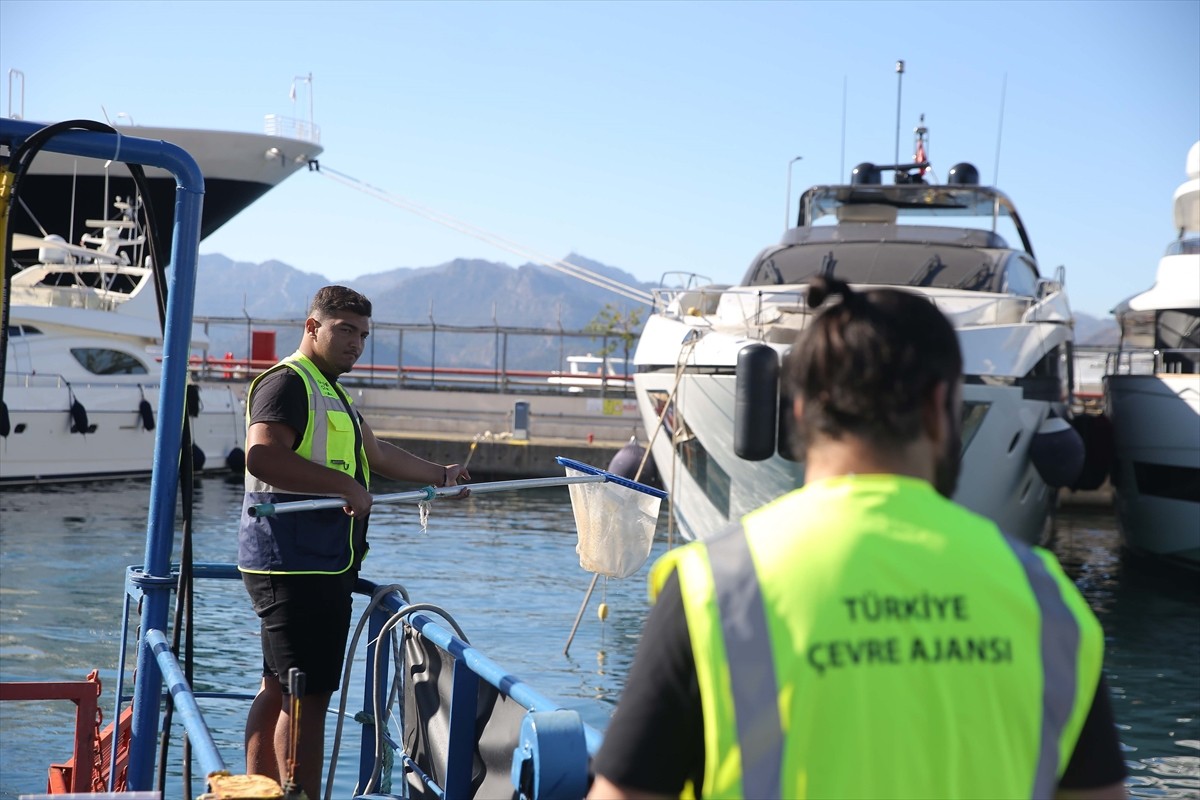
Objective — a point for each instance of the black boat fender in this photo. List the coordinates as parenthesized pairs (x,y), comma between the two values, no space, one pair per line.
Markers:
(628,459)
(79,417)
(1057,452)
(1098,451)
(756,402)
(236,460)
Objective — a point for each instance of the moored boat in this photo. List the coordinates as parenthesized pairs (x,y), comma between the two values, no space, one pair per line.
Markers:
(709,356)
(1152,396)
(470,728)
(83,364)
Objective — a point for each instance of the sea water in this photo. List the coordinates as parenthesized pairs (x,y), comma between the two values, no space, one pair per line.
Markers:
(504,566)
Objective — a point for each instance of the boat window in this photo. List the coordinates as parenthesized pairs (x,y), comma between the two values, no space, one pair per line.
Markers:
(103,361)
(1177,334)
(22,330)
(1184,247)
(1020,277)
(973,413)
(896,264)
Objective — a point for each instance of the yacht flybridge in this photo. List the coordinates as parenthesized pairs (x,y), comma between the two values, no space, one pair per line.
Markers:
(709,356)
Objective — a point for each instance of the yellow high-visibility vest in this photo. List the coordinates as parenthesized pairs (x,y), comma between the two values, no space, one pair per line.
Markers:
(865,637)
(315,542)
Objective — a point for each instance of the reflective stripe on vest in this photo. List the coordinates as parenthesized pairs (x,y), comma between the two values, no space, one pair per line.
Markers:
(751,664)
(746,743)
(323,397)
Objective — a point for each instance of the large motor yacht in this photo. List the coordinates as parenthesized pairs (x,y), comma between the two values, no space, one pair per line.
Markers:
(1152,396)
(709,356)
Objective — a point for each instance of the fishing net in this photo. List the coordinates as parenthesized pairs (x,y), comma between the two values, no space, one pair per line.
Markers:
(615,525)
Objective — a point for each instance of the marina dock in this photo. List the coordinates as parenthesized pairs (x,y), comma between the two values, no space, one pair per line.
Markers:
(505,435)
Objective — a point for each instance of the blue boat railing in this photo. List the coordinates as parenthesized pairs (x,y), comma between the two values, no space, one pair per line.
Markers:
(551,751)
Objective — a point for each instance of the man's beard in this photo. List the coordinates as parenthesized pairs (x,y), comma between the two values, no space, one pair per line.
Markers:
(945,471)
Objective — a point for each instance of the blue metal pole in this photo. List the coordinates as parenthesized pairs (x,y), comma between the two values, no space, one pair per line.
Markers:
(185,703)
(160,527)
(185,244)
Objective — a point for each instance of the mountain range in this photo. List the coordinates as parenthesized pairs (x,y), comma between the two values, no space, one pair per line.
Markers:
(468,292)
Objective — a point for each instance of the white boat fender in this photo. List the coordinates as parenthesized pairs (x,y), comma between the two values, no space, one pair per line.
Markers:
(628,459)
(1057,452)
(236,460)
(1097,433)
(756,402)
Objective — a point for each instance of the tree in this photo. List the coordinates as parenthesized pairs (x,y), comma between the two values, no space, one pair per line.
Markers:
(617,328)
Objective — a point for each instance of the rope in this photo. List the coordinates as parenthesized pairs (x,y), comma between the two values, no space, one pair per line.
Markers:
(575,271)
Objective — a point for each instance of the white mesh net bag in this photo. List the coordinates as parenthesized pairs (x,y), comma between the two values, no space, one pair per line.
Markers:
(615,520)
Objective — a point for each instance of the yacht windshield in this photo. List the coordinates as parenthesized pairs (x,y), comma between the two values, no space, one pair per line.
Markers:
(972,207)
(894,263)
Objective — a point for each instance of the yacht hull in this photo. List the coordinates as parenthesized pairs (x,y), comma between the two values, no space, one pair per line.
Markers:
(61,192)
(1156,471)
(711,487)
(42,448)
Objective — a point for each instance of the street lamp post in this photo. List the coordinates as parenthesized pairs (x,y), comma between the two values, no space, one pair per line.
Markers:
(787,214)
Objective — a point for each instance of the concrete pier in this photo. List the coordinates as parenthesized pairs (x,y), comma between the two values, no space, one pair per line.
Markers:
(502,457)
(496,437)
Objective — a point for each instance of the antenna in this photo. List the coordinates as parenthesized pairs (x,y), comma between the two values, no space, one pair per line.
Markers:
(899,81)
(999,131)
(842,166)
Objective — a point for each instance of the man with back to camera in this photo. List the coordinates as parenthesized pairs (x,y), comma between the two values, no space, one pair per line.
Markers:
(303,441)
(864,636)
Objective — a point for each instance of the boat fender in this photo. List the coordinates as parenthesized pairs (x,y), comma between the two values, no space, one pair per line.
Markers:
(193,400)
(147,414)
(628,459)
(1097,433)
(5,423)
(79,418)
(236,460)
(756,402)
(1057,452)
(198,457)
(790,445)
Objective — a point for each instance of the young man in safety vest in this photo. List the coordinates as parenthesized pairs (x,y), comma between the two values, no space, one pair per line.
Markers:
(864,636)
(304,441)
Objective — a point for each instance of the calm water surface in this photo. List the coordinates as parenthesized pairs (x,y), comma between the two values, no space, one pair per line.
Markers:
(505,566)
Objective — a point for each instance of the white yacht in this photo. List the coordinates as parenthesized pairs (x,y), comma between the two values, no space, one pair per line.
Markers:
(84,364)
(1152,396)
(708,359)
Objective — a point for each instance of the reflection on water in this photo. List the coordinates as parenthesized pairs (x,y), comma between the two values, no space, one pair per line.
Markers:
(1151,619)
(505,566)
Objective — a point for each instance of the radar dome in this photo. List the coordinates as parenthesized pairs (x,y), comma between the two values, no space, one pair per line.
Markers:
(866,173)
(1193,162)
(963,174)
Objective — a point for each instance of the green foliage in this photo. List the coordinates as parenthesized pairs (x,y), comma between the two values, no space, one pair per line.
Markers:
(618,329)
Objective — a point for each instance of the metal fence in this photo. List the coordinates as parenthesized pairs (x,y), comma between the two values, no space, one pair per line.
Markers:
(491,358)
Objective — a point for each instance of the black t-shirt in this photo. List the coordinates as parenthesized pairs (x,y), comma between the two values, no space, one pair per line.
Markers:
(282,396)
(655,740)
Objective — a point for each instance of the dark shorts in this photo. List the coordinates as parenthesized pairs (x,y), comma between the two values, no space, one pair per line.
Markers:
(304,621)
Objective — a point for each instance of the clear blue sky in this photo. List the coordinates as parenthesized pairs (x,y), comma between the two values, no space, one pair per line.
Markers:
(650,136)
